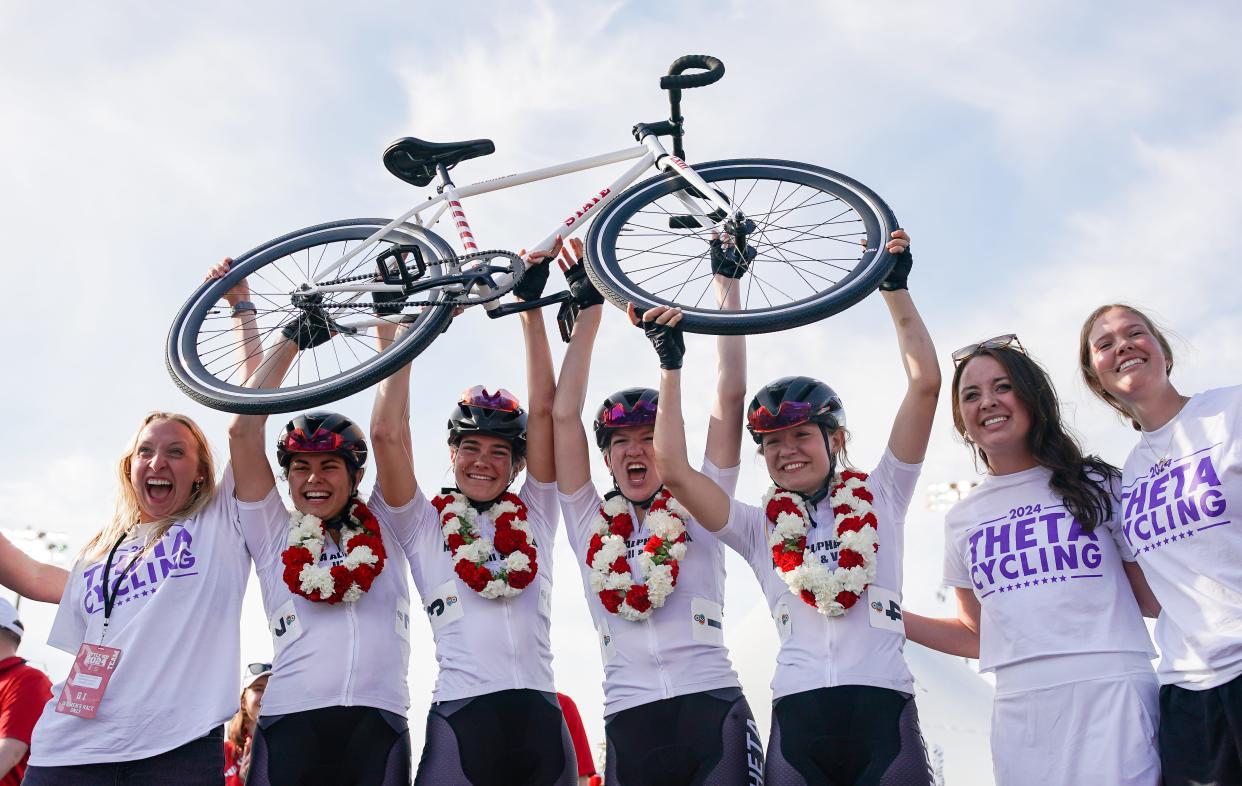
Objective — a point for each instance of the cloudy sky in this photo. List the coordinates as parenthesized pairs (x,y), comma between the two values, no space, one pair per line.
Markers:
(1046,157)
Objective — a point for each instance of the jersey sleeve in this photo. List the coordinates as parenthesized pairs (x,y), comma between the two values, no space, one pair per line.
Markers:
(402,522)
(541,502)
(1113,523)
(69,627)
(746,530)
(23,703)
(579,511)
(726,479)
(582,745)
(895,480)
(265,525)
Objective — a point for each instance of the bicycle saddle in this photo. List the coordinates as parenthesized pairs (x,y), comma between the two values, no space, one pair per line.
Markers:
(414,160)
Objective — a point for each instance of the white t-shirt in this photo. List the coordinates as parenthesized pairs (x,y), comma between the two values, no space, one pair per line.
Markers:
(176,624)
(341,654)
(1182,523)
(1045,585)
(486,645)
(862,646)
(680,648)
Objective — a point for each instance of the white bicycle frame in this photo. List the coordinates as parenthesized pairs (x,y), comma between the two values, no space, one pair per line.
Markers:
(648,154)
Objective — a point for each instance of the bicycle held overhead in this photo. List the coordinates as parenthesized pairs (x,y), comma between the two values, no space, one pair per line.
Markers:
(809,241)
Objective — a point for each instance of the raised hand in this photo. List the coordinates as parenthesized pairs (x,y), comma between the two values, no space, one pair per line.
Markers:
(581,291)
(899,246)
(660,326)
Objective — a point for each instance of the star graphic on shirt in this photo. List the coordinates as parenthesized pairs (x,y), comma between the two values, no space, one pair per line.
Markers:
(1027,584)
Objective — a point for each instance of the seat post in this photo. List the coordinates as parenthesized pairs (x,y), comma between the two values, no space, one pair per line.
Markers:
(445,180)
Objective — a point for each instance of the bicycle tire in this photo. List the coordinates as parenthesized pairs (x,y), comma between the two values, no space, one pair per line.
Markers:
(607,259)
(184,349)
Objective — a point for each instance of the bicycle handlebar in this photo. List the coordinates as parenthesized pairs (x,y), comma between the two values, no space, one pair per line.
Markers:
(713,70)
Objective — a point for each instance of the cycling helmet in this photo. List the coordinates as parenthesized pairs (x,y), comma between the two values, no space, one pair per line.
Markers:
(496,414)
(629,407)
(322,432)
(790,401)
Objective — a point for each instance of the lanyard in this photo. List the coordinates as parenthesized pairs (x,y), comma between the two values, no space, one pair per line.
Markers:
(110,600)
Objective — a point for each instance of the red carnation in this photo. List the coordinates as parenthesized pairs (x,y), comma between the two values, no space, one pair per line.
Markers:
(841,510)
(440,503)
(864,495)
(653,544)
(363,577)
(611,599)
(528,550)
(786,560)
(455,541)
(850,559)
(871,521)
(853,475)
(619,565)
(674,569)
(851,524)
(509,540)
(505,519)
(778,505)
(519,579)
(637,598)
(465,571)
(808,597)
(622,525)
(846,599)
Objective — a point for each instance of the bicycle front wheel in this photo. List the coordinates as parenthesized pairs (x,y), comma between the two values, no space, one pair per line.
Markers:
(818,246)
(206,351)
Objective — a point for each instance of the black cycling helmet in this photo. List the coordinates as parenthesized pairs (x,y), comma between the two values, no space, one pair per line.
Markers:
(496,414)
(790,401)
(322,432)
(629,407)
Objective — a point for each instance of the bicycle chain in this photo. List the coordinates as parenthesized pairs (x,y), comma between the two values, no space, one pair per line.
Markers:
(460,260)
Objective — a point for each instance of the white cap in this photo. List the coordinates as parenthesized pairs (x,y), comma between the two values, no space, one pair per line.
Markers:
(251,673)
(9,620)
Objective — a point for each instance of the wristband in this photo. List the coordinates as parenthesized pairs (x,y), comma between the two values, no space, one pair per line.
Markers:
(242,306)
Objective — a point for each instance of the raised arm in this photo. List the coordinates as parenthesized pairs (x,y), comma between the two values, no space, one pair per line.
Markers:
(912,426)
(953,636)
(540,376)
(724,430)
(571,448)
(29,577)
(390,428)
(698,493)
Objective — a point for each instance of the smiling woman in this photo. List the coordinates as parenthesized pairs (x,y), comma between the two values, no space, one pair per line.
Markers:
(156,591)
(1177,484)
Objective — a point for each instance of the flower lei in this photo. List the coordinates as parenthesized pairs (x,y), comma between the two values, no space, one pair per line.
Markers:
(470,550)
(657,562)
(364,557)
(830,591)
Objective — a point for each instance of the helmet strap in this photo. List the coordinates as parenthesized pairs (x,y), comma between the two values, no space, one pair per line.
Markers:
(644,504)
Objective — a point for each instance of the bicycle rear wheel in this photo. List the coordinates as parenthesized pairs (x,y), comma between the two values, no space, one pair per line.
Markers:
(205,355)
(819,238)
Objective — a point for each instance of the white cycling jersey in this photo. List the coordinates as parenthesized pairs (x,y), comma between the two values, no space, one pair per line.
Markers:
(1181,492)
(1045,585)
(485,645)
(340,654)
(863,646)
(680,648)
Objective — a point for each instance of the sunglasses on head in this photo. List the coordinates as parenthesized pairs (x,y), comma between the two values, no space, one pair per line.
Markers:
(999,342)
(641,414)
(789,414)
(255,669)
(501,400)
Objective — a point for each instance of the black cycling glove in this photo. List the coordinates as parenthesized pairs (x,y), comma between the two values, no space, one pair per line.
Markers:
(728,262)
(669,344)
(581,291)
(309,330)
(387,304)
(530,285)
(896,278)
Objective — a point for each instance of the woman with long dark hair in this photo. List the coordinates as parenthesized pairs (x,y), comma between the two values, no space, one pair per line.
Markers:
(1036,556)
(826,547)
(1175,513)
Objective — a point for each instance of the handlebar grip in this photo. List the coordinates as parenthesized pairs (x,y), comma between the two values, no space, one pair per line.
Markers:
(713,70)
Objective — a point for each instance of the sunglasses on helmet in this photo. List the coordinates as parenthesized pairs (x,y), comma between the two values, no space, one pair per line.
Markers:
(320,442)
(501,400)
(967,352)
(618,415)
(790,413)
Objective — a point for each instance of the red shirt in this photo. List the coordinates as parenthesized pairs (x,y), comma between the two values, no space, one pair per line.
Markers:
(24,691)
(582,746)
(232,764)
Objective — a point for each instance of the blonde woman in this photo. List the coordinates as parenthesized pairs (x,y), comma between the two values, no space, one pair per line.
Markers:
(151,610)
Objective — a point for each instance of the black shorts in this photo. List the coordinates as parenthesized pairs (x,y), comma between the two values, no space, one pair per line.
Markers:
(197,763)
(705,738)
(1201,734)
(332,746)
(506,738)
(850,735)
